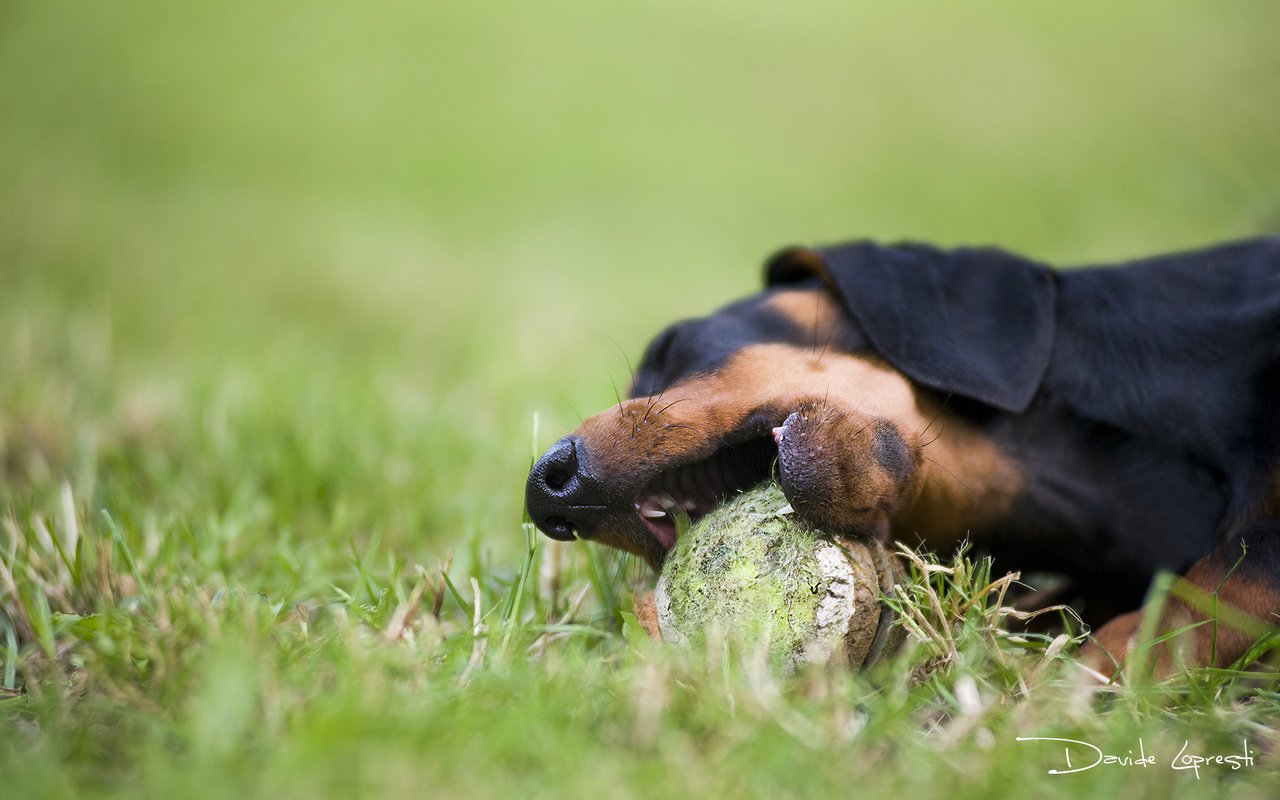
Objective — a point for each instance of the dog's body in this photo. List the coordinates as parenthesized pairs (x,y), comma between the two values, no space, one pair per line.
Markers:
(1101,423)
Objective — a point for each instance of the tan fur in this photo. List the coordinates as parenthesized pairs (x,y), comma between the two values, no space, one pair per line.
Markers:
(964,479)
(810,310)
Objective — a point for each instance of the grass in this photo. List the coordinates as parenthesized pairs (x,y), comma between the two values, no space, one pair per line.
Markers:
(285,293)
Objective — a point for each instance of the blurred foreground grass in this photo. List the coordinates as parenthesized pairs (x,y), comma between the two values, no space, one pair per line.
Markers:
(283,287)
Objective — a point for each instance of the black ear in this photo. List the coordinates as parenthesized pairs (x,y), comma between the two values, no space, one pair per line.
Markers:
(976,322)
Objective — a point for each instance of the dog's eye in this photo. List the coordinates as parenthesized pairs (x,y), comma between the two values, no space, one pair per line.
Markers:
(656,368)
(660,348)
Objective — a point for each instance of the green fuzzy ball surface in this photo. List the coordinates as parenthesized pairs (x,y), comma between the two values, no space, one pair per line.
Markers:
(752,570)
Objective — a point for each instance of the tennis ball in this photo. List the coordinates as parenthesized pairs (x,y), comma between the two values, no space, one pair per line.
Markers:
(756,572)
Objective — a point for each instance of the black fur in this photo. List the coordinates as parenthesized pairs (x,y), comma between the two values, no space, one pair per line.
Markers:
(1144,398)
(976,322)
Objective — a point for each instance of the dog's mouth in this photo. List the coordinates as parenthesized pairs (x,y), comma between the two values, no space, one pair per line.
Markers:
(697,487)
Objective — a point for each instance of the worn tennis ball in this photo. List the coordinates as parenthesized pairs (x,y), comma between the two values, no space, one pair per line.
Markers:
(753,570)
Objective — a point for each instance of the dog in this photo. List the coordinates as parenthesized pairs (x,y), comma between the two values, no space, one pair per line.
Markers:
(1104,423)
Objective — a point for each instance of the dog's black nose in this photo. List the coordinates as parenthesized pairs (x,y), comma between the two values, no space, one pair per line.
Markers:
(562,496)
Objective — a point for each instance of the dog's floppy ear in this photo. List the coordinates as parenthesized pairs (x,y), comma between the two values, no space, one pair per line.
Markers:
(976,322)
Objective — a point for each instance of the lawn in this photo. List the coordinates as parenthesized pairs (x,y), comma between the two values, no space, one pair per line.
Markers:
(290,294)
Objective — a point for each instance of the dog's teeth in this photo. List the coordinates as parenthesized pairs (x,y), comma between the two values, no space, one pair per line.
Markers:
(778,433)
(651,508)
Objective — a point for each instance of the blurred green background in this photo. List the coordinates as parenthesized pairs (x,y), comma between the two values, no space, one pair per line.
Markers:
(284,286)
(312,268)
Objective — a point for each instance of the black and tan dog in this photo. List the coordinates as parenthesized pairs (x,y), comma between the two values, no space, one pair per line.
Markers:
(1102,423)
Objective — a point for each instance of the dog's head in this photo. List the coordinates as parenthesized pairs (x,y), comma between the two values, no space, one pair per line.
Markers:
(828,380)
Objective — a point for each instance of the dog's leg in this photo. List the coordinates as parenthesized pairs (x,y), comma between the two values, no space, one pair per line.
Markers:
(844,471)
(1211,615)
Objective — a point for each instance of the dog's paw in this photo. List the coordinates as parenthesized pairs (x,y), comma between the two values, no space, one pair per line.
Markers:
(842,471)
(1116,649)
(1107,650)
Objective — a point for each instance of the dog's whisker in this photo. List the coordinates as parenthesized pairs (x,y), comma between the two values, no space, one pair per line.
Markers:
(616,394)
(669,405)
(936,414)
(647,408)
(973,495)
(631,371)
